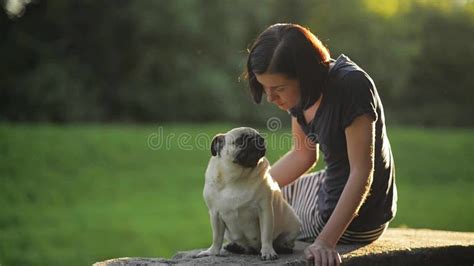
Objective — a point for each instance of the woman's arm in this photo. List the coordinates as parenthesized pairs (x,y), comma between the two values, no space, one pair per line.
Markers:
(360,138)
(303,156)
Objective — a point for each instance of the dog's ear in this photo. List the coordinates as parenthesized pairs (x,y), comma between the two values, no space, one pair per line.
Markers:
(217,144)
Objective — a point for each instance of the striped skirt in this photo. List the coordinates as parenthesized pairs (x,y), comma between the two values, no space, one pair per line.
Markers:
(302,195)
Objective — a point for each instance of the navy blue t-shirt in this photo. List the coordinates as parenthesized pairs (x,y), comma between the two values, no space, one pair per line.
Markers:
(349,93)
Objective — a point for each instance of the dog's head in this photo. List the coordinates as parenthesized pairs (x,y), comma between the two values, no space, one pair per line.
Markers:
(243,146)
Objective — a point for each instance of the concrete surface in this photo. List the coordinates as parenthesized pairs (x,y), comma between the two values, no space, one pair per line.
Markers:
(395,247)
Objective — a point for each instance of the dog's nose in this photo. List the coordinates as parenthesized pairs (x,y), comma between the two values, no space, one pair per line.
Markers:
(259,142)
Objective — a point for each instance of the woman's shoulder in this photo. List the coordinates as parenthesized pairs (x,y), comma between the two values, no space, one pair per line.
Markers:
(345,72)
(348,84)
(346,77)
(350,78)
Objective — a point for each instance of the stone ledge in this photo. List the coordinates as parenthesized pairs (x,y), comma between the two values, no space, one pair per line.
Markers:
(395,247)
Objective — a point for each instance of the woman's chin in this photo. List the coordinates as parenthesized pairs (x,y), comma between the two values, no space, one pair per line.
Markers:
(281,106)
(284,107)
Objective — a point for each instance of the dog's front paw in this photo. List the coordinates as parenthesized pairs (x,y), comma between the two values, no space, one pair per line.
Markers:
(206,253)
(268,254)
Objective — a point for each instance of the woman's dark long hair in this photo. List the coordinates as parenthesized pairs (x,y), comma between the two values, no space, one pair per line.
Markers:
(294,51)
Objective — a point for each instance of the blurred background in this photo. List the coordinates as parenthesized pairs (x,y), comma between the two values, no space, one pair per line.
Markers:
(96,96)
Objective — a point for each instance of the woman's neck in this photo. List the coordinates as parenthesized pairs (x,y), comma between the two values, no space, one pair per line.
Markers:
(331,65)
(311,111)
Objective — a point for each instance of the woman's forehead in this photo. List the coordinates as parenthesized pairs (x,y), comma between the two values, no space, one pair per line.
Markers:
(273,80)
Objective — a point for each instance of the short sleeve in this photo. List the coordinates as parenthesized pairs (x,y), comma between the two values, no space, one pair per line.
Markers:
(358,97)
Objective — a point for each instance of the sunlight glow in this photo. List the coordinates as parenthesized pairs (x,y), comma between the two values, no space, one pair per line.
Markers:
(273,184)
(387,8)
(390,8)
(16,8)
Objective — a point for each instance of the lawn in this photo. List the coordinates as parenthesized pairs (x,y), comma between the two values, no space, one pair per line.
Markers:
(73,195)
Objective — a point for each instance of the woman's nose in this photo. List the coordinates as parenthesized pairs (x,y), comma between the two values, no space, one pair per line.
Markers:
(270,97)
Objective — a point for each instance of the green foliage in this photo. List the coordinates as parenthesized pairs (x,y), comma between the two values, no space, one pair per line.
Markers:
(145,61)
(74,195)
(441,71)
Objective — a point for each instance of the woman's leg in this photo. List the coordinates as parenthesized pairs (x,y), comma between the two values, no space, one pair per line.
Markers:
(302,195)
(355,237)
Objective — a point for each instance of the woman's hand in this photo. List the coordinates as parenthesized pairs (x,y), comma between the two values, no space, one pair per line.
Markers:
(323,254)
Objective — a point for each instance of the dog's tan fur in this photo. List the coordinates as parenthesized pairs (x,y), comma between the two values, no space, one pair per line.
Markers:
(245,204)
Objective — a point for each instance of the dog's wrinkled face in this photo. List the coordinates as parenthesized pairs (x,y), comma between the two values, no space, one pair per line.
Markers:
(243,146)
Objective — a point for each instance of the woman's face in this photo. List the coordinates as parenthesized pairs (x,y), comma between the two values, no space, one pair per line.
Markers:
(280,90)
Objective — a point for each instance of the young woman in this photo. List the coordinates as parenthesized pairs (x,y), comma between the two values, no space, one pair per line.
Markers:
(334,107)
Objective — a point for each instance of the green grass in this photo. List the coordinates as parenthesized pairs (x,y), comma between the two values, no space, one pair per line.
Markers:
(78,194)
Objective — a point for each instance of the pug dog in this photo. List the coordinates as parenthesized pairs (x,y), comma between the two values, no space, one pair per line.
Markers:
(245,204)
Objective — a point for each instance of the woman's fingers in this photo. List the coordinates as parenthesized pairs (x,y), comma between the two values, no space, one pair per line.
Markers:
(318,261)
(311,253)
(331,258)
(338,258)
(307,253)
(324,258)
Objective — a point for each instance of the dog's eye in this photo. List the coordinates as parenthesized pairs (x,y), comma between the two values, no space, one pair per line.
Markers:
(239,141)
(243,141)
